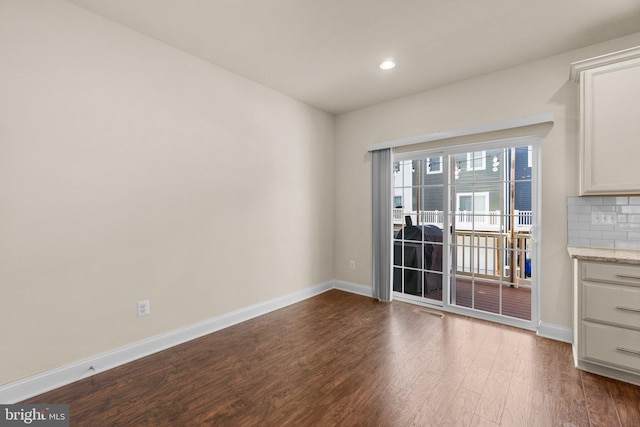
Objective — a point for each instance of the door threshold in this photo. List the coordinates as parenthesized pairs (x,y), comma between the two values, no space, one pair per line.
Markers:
(413,299)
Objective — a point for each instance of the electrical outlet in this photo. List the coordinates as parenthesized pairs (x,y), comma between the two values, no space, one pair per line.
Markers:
(352,264)
(603,218)
(144,308)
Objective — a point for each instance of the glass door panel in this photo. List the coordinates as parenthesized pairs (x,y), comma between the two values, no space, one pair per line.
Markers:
(491,247)
(418,220)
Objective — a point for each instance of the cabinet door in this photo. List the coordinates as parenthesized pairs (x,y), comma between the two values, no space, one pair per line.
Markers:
(610,129)
(618,347)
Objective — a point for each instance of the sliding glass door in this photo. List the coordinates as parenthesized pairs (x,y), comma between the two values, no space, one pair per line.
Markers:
(464,223)
(491,246)
(418,245)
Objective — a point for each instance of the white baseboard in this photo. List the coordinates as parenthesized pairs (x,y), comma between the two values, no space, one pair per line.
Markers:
(354,288)
(545,330)
(555,332)
(32,386)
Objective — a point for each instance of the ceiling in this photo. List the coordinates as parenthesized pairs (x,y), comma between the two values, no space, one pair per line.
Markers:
(326,52)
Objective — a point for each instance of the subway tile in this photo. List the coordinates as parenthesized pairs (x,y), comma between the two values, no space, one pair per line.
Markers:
(628,226)
(572,200)
(614,235)
(573,217)
(620,200)
(627,245)
(596,243)
(579,242)
(599,227)
(608,201)
(588,234)
(610,208)
(578,209)
(631,209)
(585,217)
(624,233)
(580,226)
(584,201)
(594,200)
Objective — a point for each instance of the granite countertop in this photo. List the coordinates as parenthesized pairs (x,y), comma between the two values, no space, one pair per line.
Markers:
(625,256)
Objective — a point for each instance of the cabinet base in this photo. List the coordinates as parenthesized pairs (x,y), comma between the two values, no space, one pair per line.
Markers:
(608,372)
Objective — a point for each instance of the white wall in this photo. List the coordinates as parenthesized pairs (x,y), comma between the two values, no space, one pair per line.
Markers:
(116,158)
(531,89)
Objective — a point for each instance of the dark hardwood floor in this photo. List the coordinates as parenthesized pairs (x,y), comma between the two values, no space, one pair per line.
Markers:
(343,359)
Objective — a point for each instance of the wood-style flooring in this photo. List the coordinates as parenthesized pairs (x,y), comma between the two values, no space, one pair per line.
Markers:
(347,360)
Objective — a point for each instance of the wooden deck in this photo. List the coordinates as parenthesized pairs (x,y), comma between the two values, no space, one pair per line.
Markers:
(516,302)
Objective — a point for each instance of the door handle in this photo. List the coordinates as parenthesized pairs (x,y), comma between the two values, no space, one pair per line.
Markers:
(533,234)
(626,350)
(627,276)
(635,310)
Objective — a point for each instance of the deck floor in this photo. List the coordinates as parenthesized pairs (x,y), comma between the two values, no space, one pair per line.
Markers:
(516,301)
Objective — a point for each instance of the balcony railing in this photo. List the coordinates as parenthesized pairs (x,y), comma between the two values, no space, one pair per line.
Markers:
(467,220)
(482,248)
(494,255)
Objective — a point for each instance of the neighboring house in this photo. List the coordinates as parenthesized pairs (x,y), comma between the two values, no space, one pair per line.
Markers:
(481,182)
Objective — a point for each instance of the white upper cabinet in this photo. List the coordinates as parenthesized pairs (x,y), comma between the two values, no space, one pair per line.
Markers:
(609,123)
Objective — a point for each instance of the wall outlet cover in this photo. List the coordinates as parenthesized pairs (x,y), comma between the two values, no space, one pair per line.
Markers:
(144,308)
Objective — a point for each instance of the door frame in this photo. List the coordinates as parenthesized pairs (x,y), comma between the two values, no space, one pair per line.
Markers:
(535,141)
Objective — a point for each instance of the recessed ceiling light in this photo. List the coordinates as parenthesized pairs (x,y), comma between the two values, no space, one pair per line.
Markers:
(387,64)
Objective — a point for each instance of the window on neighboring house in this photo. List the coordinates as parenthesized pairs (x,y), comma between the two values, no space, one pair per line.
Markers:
(529,157)
(473,202)
(477,161)
(434,165)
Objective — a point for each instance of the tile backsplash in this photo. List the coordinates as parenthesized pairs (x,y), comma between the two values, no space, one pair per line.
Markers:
(603,222)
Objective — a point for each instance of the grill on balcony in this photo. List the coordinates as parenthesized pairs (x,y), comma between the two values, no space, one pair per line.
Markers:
(482,249)
(419,250)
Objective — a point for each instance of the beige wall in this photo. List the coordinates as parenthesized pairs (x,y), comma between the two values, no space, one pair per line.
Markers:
(531,89)
(130,170)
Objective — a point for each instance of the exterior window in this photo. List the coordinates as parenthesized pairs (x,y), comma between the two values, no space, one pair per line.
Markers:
(434,165)
(477,161)
(473,202)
